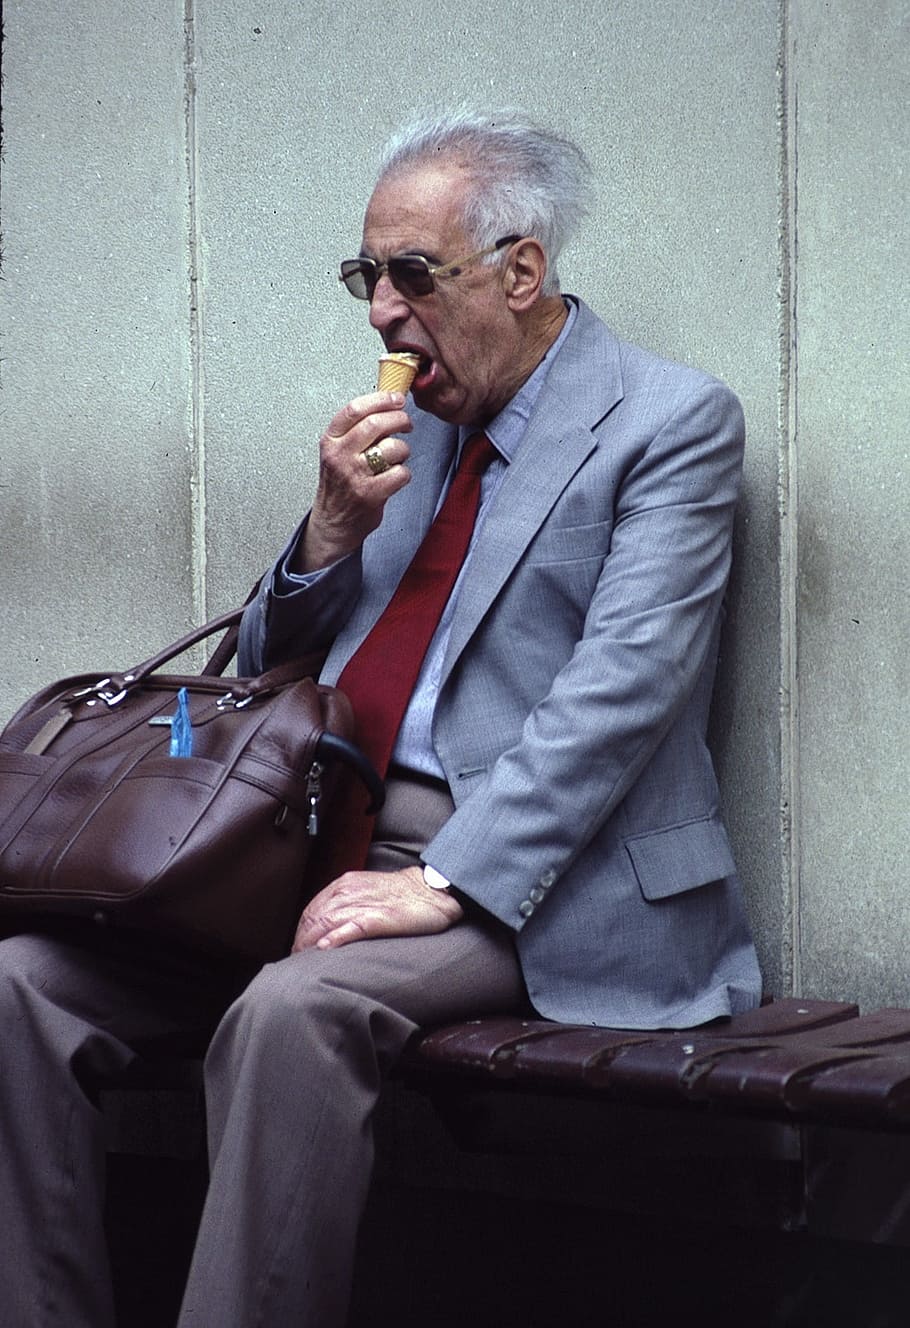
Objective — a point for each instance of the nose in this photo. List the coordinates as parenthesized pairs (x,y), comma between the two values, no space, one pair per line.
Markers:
(387,306)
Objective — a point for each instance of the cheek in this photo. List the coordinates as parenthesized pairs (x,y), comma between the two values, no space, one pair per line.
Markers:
(461,353)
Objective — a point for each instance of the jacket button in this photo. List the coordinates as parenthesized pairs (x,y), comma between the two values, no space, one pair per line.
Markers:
(548,878)
(536,895)
(526,908)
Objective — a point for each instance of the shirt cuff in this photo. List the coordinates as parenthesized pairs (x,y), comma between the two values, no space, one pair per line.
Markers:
(434,879)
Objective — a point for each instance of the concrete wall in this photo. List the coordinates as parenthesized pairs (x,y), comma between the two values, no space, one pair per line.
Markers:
(179,183)
(850,461)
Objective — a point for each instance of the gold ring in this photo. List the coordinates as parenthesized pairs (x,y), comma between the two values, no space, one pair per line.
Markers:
(375,460)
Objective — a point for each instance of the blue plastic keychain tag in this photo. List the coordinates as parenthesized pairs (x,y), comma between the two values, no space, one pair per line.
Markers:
(181,727)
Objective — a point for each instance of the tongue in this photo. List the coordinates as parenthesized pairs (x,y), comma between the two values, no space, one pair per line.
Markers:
(425,374)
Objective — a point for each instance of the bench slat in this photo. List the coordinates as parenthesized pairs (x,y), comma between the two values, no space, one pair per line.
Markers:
(880,1028)
(873,1090)
(792,1059)
(790,1014)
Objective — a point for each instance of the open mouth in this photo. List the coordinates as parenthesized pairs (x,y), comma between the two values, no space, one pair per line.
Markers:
(426,372)
(425,362)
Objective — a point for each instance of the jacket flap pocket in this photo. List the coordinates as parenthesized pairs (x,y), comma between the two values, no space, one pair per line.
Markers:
(681,857)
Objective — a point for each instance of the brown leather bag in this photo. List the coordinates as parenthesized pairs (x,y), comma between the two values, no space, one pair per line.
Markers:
(98,821)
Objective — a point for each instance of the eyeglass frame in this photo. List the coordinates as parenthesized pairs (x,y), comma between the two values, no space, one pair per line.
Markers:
(432,271)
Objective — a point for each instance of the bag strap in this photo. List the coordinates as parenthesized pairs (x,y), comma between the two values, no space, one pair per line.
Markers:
(112,689)
(151,665)
(305,666)
(224,652)
(330,746)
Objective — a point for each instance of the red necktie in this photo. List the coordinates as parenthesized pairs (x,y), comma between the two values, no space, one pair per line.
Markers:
(379,677)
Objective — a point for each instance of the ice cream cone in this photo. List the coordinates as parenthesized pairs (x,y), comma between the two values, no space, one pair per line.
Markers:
(397,371)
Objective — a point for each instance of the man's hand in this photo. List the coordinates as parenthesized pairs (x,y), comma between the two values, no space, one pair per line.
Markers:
(361,905)
(351,496)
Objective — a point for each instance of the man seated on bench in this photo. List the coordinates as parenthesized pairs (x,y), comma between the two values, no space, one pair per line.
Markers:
(532,670)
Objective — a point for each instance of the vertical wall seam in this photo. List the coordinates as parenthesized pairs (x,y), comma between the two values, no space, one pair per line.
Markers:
(195,292)
(788,279)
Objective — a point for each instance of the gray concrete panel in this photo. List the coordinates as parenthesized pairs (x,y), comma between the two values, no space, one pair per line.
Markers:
(853,425)
(95,528)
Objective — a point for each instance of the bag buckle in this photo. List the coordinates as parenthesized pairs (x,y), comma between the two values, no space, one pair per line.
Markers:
(232,702)
(97,692)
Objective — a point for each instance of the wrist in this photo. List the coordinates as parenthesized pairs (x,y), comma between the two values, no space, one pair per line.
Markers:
(443,888)
(316,551)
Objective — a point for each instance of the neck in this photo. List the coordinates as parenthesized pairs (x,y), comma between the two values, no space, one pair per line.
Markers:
(550,314)
(539,328)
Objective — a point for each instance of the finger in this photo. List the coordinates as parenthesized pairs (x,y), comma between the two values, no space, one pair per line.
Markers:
(333,915)
(375,489)
(350,500)
(327,934)
(340,457)
(343,934)
(365,419)
(383,455)
(315,920)
(306,935)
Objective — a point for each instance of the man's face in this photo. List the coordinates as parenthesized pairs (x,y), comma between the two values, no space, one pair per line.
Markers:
(464,331)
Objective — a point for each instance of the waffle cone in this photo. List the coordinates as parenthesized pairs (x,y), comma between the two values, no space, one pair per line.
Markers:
(397,371)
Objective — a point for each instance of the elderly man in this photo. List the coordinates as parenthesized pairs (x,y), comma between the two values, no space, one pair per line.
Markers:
(518,576)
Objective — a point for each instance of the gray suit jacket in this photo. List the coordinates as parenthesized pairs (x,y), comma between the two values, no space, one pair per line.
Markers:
(572,715)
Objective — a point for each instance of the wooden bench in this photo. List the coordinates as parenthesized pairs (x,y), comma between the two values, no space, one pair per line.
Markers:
(754,1171)
(791,1120)
(794,1061)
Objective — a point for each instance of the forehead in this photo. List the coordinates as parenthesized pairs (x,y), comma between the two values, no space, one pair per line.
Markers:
(419,208)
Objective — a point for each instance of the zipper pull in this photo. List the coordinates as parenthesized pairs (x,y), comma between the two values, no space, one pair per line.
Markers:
(314,793)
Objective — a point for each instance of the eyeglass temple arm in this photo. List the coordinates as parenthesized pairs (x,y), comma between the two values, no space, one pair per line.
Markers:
(457,266)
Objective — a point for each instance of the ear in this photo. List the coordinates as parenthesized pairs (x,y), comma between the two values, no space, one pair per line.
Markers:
(524,273)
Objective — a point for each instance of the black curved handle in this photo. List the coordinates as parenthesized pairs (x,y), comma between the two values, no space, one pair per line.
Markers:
(332,748)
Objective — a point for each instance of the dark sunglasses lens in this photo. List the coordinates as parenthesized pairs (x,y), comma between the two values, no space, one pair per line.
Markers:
(411,276)
(360,278)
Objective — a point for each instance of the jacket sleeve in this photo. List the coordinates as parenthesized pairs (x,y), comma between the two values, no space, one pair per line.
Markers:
(296,615)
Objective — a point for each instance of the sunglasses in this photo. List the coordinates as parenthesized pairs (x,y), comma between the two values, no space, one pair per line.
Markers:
(411,274)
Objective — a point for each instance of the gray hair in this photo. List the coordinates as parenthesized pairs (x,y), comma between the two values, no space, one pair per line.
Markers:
(524,179)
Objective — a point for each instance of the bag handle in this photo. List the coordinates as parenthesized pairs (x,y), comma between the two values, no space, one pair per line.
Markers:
(305,666)
(227,648)
(329,747)
(224,652)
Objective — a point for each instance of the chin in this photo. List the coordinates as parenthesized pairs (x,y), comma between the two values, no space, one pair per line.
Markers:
(443,410)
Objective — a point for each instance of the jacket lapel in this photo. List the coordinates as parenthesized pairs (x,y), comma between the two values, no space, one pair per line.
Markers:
(583,385)
(406,523)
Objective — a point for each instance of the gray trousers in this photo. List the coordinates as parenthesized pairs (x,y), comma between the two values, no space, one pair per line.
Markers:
(292,1075)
